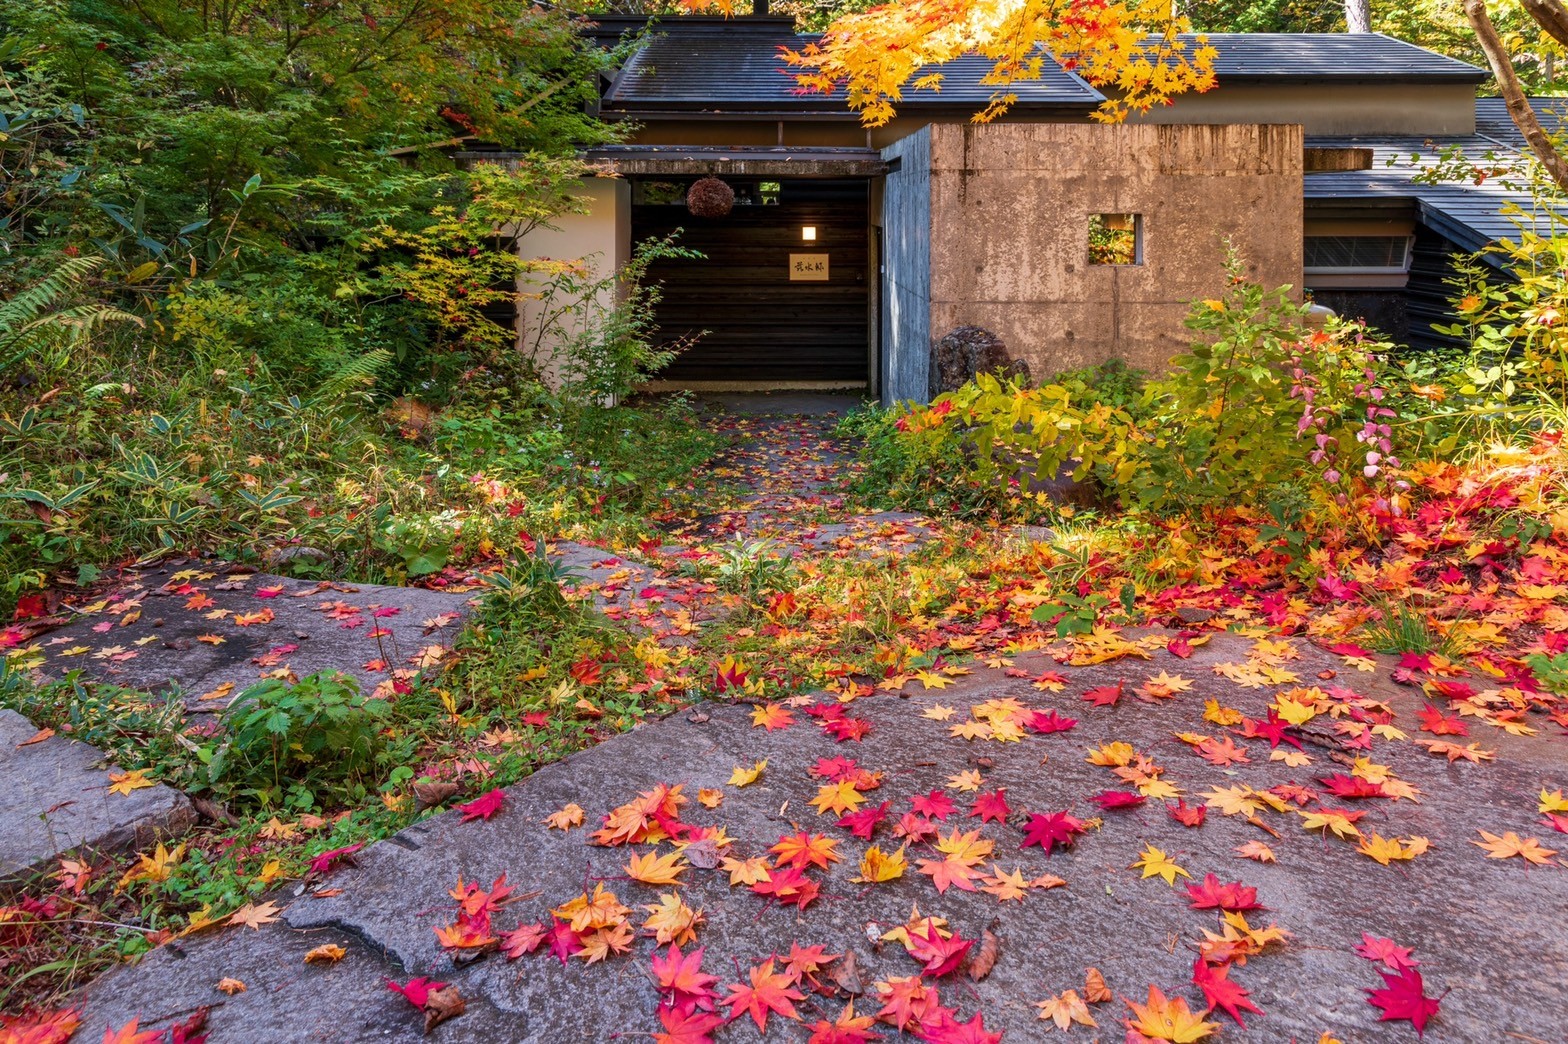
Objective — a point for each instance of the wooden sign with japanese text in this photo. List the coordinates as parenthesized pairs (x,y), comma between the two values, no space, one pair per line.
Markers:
(808,268)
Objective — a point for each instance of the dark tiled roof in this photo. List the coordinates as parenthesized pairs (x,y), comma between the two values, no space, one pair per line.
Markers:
(714,65)
(1359,57)
(735,68)
(1468,215)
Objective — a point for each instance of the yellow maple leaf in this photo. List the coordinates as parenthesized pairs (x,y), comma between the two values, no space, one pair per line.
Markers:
(877,866)
(743,777)
(1155,863)
(652,868)
(1169,1019)
(1330,819)
(1511,844)
(965,782)
(565,819)
(745,871)
(1552,802)
(708,797)
(1218,715)
(937,713)
(672,921)
(837,798)
(125,782)
(156,867)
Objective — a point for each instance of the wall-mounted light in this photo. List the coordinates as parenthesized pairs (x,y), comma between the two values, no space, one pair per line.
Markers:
(808,233)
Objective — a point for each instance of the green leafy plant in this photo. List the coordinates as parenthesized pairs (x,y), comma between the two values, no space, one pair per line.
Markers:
(299,745)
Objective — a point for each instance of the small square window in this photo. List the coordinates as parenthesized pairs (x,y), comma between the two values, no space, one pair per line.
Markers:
(1116,239)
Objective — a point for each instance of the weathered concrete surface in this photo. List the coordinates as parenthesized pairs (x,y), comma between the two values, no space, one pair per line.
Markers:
(1488,931)
(213,630)
(56,799)
(1009,232)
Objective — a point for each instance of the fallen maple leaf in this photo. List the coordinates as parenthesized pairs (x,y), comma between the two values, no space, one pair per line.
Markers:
(484,806)
(1511,844)
(565,819)
(1212,895)
(848,1028)
(129,1034)
(1168,1019)
(230,986)
(877,866)
(743,777)
(416,991)
(254,915)
(125,782)
(1220,992)
(1374,948)
(1065,1009)
(1403,997)
(326,953)
(682,980)
(1051,829)
(771,717)
(652,868)
(1155,863)
(941,955)
(769,991)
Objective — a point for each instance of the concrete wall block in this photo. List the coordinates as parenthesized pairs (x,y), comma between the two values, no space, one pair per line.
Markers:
(1010,207)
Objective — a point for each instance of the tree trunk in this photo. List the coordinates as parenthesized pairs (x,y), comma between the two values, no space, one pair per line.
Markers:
(1513,93)
(1358,16)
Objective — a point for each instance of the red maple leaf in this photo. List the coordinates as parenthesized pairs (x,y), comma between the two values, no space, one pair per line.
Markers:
(1212,895)
(1109,799)
(914,829)
(484,806)
(847,729)
(324,862)
(563,941)
(991,806)
(1404,997)
(804,961)
(949,1030)
(862,823)
(941,956)
(1341,785)
(1105,695)
(1433,721)
(682,979)
(789,885)
(769,991)
(848,1029)
(835,769)
(1047,723)
(1188,816)
(1051,829)
(1374,948)
(1220,992)
(525,938)
(417,991)
(686,1025)
(935,805)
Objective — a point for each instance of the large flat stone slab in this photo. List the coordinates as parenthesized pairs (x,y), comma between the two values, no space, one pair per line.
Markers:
(1489,931)
(212,630)
(56,799)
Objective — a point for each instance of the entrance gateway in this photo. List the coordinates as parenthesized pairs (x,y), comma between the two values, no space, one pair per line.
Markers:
(782,295)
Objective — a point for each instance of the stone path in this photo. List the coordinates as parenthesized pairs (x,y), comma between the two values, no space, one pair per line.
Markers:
(57,798)
(211,630)
(1489,931)
(1275,765)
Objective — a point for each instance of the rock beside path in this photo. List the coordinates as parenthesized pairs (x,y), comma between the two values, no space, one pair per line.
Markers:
(212,631)
(56,800)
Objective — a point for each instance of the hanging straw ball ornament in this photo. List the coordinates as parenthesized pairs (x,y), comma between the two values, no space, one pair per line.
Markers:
(710,197)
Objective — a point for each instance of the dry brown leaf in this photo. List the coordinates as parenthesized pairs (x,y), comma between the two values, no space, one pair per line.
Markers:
(1095,991)
(230,986)
(985,955)
(443,1004)
(326,953)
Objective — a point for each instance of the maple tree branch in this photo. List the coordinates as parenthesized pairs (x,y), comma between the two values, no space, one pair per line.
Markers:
(1551,16)
(1513,93)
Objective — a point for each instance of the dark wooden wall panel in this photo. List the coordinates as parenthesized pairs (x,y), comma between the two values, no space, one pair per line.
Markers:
(761,326)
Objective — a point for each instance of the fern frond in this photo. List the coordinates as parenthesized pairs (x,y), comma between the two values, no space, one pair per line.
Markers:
(359,372)
(31,303)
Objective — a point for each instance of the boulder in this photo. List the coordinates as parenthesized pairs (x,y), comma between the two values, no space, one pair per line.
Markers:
(969,350)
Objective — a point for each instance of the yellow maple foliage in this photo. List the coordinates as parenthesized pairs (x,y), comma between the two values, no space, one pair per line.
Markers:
(1169,1019)
(877,866)
(652,868)
(1155,863)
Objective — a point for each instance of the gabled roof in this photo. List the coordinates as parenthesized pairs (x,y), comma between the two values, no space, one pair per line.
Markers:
(1468,215)
(1332,57)
(734,68)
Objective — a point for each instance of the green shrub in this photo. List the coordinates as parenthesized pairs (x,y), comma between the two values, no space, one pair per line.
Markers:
(300,745)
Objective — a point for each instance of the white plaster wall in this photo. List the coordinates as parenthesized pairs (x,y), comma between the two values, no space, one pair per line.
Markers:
(601,237)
